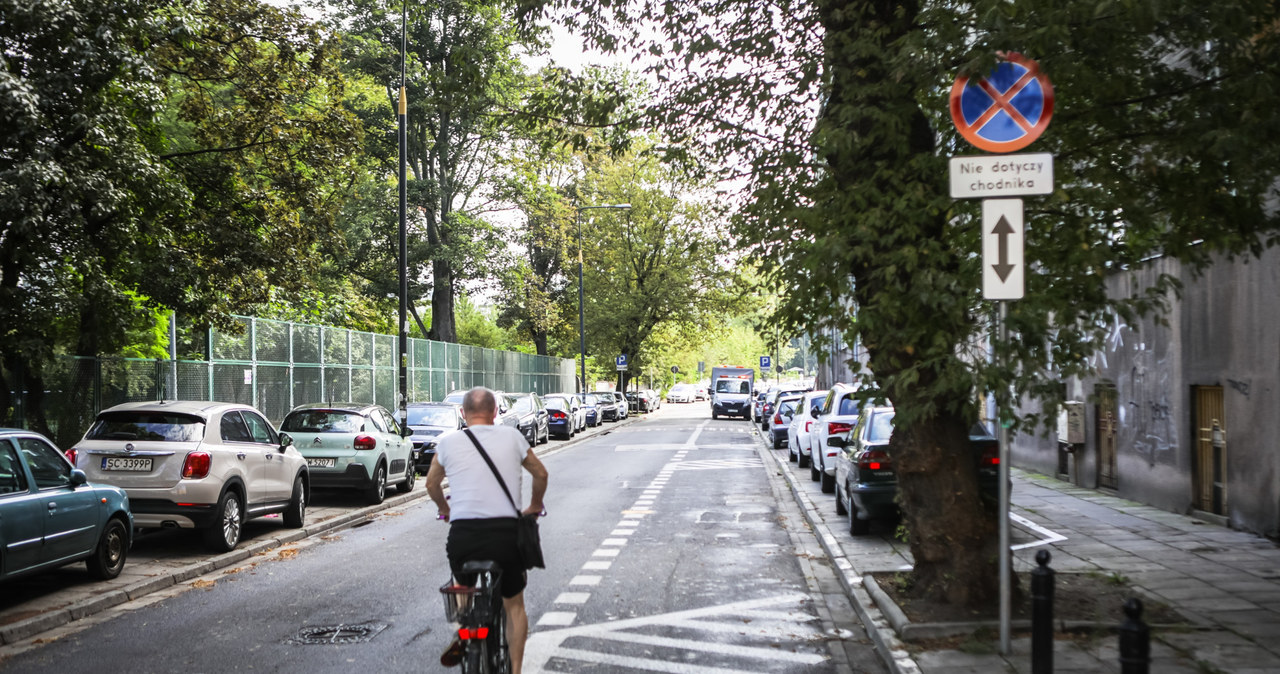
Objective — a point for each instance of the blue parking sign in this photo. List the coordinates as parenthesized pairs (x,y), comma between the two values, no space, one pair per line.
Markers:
(621,361)
(765,362)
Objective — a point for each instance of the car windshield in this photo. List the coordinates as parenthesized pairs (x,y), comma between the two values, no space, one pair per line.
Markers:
(881,427)
(322,421)
(556,403)
(153,426)
(432,416)
(733,386)
(455,397)
(787,406)
(604,398)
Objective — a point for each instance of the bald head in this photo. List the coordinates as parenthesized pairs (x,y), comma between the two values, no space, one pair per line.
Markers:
(479,404)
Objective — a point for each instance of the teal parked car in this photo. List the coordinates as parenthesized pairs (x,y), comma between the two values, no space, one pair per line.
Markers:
(50,515)
(353,445)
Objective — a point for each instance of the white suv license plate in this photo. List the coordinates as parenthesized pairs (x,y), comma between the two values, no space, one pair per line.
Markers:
(126,464)
(322,463)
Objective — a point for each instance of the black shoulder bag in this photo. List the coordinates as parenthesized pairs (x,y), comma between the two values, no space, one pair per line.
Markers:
(528,541)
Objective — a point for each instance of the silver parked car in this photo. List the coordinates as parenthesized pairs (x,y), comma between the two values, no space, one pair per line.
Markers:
(203,465)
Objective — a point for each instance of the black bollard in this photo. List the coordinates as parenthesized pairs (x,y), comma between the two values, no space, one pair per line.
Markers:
(1135,640)
(1042,615)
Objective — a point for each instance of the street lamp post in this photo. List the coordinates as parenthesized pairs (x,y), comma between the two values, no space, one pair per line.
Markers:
(582,334)
(402,111)
(402,137)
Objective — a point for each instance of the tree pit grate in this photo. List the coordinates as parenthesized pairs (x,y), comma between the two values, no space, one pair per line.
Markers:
(337,634)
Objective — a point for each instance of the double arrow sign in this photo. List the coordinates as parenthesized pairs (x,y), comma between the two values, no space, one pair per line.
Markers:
(1002,259)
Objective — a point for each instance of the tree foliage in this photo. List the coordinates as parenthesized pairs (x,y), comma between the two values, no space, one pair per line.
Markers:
(837,110)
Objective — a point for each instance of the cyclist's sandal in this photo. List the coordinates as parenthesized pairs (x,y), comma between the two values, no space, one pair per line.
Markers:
(452,656)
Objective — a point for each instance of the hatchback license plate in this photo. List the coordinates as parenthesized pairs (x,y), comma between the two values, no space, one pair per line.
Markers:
(126,464)
(322,463)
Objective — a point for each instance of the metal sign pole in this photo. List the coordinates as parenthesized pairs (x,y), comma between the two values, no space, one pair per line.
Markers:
(1003,330)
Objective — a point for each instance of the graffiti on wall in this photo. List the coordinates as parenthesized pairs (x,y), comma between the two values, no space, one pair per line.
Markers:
(1142,379)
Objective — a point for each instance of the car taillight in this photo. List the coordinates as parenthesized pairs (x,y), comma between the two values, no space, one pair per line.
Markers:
(990,454)
(777,418)
(558,416)
(71,455)
(197,465)
(808,425)
(837,427)
(366,442)
(875,460)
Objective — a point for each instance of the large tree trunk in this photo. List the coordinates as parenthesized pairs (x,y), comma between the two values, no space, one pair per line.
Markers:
(540,343)
(443,327)
(951,534)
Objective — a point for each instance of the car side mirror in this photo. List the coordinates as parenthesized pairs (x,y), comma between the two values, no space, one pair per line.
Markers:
(78,478)
(405,431)
(836,441)
(815,411)
(286,441)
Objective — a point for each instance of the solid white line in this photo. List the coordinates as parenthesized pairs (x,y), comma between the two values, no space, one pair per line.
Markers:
(572,598)
(585,580)
(794,616)
(642,664)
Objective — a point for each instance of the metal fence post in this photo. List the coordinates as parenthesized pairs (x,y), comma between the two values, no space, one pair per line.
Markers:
(1042,615)
(1135,640)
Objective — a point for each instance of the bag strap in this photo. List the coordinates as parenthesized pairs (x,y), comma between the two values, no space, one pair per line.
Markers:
(501,483)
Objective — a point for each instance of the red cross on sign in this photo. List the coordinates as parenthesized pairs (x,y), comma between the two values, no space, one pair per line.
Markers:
(1006,110)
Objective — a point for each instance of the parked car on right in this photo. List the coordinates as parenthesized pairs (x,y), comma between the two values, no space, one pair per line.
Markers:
(607,405)
(579,413)
(780,421)
(51,516)
(637,402)
(867,484)
(428,421)
(532,417)
(838,414)
(800,431)
(771,402)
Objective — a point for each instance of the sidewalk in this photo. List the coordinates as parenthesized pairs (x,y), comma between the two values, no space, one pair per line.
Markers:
(1224,583)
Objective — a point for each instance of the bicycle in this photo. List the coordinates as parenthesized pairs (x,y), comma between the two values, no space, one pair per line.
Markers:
(482,624)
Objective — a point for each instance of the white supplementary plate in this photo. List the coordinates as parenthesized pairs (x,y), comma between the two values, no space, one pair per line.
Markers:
(1001,175)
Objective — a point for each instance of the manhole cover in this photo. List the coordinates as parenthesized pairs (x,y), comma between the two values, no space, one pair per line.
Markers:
(338,634)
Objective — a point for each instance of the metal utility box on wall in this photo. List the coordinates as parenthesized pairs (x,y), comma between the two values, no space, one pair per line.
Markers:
(1071,422)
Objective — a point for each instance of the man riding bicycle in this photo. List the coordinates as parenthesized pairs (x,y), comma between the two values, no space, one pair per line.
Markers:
(482,521)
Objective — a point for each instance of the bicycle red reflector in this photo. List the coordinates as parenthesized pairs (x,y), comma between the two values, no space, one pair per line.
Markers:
(482,632)
(366,442)
(464,634)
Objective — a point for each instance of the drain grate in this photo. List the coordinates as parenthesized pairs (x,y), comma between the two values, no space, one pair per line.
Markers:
(337,634)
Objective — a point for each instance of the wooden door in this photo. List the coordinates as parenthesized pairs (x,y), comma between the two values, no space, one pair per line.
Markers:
(1211,450)
(1106,414)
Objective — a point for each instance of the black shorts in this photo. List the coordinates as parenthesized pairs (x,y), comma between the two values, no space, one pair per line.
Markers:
(491,540)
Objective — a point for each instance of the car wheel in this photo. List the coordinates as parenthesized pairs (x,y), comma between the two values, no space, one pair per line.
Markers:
(792,455)
(802,460)
(378,488)
(857,527)
(296,514)
(715,416)
(828,483)
(410,479)
(224,535)
(108,558)
(814,473)
(840,509)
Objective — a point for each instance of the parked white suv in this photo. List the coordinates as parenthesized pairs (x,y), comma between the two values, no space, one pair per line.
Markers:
(800,432)
(838,414)
(203,465)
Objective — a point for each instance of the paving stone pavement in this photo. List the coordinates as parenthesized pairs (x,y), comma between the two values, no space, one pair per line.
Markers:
(1224,583)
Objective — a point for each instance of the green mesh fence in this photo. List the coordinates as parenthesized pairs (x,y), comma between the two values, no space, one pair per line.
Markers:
(276,366)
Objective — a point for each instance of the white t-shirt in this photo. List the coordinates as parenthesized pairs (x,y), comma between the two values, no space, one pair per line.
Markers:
(474,492)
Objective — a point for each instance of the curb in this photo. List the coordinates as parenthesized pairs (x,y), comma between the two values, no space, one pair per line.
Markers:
(879,626)
(25,629)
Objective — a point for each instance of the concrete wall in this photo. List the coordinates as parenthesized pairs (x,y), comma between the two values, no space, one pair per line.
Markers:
(1223,331)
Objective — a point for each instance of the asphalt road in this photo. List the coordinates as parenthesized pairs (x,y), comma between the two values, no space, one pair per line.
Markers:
(668,549)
